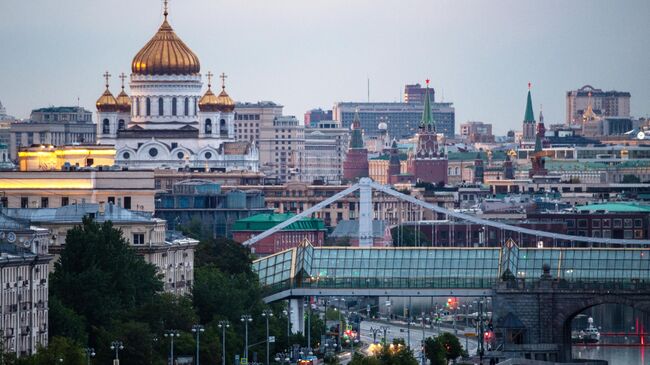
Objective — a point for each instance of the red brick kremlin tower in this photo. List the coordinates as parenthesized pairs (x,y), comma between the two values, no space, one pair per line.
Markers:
(394,164)
(427,164)
(355,165)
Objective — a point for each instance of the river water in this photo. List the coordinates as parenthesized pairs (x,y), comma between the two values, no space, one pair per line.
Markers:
(614,355)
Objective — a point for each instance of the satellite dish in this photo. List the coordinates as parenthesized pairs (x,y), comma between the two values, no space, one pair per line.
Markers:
(640,135)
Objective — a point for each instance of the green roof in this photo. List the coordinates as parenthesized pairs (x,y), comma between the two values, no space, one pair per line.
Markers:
(530,116)
(615,207)
(263,222)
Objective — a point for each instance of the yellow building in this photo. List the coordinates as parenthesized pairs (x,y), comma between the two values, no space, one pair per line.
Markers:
(378,170)
(55,158)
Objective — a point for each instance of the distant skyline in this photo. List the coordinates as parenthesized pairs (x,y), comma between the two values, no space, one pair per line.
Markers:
(307,54)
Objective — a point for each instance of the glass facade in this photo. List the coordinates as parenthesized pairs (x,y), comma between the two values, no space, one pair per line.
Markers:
(433,267)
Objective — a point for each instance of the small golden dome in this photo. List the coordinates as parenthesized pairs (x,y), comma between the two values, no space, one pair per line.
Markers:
(213,103)
(165,54)
(209,102)
(123,102)
(106,102)
(224,102)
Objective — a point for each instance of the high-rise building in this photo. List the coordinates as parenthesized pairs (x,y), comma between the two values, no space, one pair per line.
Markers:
(250,117)
(603,103)
(402,119)
(25,280)
(356,161)
(528,136)
(414,94)
(314,116)
(325,150)
(281,147)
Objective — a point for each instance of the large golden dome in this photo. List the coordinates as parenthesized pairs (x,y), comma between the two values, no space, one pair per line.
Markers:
(165,54)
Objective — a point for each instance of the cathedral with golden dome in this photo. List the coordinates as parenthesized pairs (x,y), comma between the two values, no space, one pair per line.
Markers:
(167,121)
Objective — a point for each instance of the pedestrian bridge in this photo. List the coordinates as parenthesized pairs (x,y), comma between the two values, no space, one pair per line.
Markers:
(442,271)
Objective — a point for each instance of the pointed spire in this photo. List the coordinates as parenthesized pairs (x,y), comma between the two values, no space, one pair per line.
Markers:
(541,115)
(427,118)
(166,8)
(529,116)
(357,139)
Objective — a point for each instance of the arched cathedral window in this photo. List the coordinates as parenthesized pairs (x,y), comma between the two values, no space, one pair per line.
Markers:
(120,125)
(208,126)
(187,107)
(106,128)
(174,106)
(160,106)
(148,106)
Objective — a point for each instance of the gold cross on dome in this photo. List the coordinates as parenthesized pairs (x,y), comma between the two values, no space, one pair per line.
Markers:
(123,77)
(106,77)
(223,77)
(209,76)
(166,8)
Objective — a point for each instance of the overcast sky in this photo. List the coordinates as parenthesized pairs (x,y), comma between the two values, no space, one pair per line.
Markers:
(312,53)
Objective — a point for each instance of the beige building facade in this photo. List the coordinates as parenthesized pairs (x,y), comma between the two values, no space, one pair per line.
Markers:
(129,189)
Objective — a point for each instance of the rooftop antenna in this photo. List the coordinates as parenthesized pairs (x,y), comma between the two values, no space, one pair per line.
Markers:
(368,89)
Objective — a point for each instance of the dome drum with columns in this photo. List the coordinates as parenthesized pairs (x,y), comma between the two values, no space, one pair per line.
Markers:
(166,122)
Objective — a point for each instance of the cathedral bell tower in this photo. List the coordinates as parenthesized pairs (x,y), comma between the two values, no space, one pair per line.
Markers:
(107,112)
(216,112)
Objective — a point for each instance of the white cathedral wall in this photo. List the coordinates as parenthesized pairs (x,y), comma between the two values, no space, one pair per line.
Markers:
(166,87)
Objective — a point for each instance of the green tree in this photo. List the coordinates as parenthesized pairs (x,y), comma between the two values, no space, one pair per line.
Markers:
(66,322)
(452,345)
(99,276)
(434,351)
(59,348)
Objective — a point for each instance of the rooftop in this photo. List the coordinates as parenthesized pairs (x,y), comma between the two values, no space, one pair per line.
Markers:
(615,207)
(263,222)
(75,213)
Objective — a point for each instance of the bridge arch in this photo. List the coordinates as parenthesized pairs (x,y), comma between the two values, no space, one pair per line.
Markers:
(567,311)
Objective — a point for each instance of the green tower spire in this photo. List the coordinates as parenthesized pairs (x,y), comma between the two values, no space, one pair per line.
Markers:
(530,116)
(357,139)
(427,118)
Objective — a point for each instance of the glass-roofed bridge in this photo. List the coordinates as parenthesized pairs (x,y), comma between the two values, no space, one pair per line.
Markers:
(335,271)
(536,292)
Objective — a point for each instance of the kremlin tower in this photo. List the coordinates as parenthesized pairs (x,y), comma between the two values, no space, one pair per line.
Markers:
(528,135)
(355,165)
(427,164)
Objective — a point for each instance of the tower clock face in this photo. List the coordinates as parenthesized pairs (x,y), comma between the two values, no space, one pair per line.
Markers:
(11,237)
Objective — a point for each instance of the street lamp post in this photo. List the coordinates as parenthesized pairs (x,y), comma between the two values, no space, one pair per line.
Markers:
(117,346)
(90,352)
(197,328)
(385,329)
(267,313)
(288,313)
(223,325)
(374,334)
(171,334)
(246,318)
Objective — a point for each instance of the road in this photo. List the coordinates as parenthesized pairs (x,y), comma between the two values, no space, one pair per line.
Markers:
(399,330)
